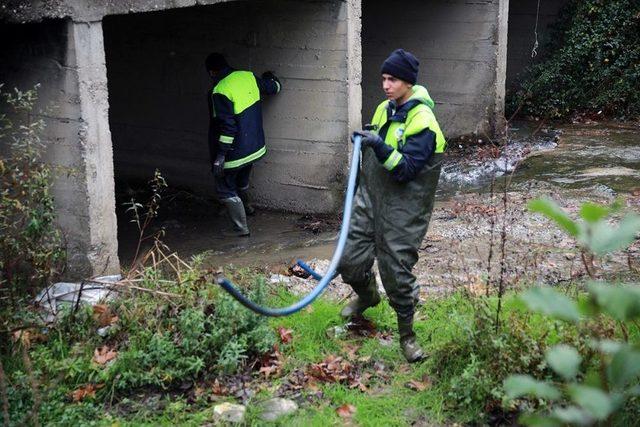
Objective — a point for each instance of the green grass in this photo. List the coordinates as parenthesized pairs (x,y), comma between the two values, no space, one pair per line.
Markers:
(466,364)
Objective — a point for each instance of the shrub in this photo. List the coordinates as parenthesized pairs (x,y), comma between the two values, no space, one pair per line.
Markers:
(181,330)
(591,384)
(472,367)
(31,250)
(594,64)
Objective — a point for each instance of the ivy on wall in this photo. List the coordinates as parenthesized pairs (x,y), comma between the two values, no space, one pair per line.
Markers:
(593,65)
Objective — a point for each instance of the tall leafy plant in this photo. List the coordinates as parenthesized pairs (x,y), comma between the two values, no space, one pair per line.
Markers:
(31,250)
(591,387)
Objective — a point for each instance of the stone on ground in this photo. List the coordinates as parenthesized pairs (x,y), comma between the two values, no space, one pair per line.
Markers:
(277,407)
(229,412)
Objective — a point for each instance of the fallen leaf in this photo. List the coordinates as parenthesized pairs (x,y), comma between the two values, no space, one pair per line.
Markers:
(199,391)
(219,389)
(419,385)
(359,385)
(104,354)
(477,288)
(103,315)
(351,350)
(285,335)
(271,364)
(346,411)
(23,336)
(88,390)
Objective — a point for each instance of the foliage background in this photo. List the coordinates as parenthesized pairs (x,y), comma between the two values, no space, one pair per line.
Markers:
(593,65)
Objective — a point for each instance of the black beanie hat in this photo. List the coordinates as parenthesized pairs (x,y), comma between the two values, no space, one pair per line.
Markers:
(215,61)
(403,65)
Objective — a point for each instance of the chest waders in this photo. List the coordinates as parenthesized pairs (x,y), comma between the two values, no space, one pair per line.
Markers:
(389,222)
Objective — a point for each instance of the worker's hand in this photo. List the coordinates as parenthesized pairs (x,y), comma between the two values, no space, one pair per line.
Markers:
(369,139)
(218,166)
(269,75)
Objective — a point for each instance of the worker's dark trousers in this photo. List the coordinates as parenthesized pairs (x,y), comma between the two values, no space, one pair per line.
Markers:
(388,223)
(233,182)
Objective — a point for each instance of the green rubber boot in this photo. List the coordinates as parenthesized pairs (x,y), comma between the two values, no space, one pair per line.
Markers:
(246,200)
(410,347)
(368,297)
(235,210)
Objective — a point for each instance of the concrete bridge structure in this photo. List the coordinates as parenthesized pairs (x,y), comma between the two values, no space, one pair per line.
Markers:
(125,85)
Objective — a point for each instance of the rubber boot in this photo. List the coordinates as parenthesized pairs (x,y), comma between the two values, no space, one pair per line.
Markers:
(235,208)
(410,347)
(248,207)
(368,296)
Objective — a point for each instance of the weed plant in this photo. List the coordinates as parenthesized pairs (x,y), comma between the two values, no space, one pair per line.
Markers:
(156,342)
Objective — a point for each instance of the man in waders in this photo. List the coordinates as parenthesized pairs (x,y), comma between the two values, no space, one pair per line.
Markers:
(236,137)
(401,158)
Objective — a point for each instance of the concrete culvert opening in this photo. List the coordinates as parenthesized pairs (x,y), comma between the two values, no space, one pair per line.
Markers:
(158,112)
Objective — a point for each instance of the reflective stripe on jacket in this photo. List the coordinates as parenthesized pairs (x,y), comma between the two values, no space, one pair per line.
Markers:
(411,134)
(236,117)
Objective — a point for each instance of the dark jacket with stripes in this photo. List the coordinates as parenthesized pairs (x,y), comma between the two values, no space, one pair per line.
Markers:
(235,116)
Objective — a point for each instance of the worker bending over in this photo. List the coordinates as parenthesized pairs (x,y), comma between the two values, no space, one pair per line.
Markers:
(236,137)
(401,158)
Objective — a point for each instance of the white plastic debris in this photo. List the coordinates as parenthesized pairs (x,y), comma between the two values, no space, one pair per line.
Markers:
(279,278)
(89,292)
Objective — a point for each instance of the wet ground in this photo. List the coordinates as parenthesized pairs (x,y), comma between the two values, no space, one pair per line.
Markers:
(571,164)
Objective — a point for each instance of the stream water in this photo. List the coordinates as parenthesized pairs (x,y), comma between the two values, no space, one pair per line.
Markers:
(600,159)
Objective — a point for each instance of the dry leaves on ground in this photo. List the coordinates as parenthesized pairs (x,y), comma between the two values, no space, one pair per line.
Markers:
(285,335)
(88,390)
(419,385)
(477,287)
(346,411)
(103,315)
(27,336)
(337,370)
(351,350)
(271,364)
(219,389)
(104,354)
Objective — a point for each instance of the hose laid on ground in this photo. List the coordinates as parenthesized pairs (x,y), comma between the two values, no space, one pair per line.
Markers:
(337,255)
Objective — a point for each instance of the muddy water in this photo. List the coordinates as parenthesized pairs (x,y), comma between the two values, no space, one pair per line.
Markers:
(571,164)
(605,157)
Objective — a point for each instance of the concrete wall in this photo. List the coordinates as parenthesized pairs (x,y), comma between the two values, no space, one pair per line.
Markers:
(67,60)
(158,88)
(523,15)
(458,44)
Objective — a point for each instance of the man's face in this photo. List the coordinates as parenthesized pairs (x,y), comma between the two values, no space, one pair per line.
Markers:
(394,88)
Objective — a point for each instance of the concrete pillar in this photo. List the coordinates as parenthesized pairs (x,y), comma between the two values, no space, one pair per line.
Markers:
(354,65)
(502,33)
(93,245)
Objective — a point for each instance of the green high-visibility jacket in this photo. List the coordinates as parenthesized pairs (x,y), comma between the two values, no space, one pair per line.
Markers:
(235,113)
(411,134)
